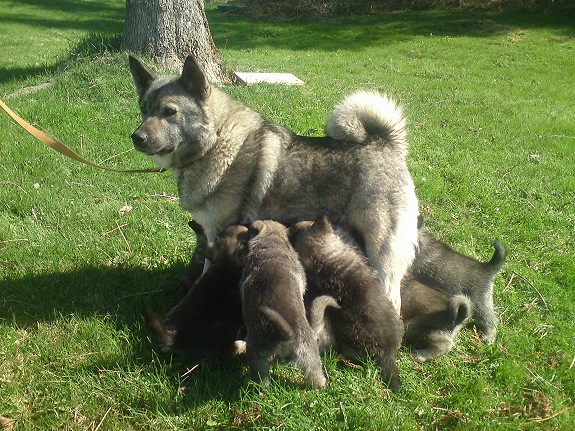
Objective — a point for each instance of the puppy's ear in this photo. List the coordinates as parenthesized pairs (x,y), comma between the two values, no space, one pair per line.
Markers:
(240,249)
(292,232)
(243,235)
(143,77)
(256,228)
(201,238)
(210,251)
(323,225)
(419,221)
(194,80)
(240,254)
(459,309)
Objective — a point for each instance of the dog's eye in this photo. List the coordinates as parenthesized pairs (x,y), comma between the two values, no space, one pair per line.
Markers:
(143,110)
(169,111)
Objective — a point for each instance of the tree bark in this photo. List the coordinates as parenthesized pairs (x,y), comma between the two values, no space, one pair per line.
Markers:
(169,30)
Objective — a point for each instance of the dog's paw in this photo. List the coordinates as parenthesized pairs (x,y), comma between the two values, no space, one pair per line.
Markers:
(239,348)
(421,355)
(488,337)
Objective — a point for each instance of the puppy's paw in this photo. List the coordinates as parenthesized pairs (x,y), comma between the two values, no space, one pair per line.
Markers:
(421,355)
(239,348)
(488,337)
(317,382)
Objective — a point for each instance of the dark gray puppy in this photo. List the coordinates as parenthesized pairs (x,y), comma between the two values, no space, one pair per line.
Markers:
(209,318)
(432,319)
(272,290)
(439,266)
(364,321)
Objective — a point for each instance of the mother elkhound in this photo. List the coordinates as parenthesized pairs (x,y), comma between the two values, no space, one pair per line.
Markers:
(233,165)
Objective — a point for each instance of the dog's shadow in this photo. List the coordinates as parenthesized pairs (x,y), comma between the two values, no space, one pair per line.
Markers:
(124,294)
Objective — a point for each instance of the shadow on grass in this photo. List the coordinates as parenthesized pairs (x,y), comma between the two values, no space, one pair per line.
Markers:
(93,44)
(103,18)
(123,292)
(102,15)
(90,46)
(54,24)
(80,6)
(349,33)
(357,32)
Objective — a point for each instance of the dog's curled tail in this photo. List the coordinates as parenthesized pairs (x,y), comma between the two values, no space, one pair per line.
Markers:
(364,115)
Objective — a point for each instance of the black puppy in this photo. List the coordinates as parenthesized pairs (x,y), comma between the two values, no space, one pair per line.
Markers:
(209,318)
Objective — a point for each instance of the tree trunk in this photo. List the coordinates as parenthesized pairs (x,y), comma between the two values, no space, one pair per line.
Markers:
(169,30)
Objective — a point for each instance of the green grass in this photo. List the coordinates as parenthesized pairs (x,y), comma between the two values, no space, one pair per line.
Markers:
(489,98)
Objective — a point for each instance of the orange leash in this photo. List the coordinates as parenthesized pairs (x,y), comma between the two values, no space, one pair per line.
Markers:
(61,147)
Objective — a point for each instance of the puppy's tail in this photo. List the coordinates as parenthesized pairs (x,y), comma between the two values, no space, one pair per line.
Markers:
(459,309)
(280,323)
(317,312)
(365,115)
(498,258)
(162,335)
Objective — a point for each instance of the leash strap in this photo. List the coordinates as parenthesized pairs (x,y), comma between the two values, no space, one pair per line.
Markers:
(61,147)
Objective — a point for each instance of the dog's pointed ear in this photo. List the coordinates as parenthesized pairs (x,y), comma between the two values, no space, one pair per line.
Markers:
(201,238)
(194,80)
(323,225)
(460,309)
(419,221)
(256,228)
(210,251)
(143,77)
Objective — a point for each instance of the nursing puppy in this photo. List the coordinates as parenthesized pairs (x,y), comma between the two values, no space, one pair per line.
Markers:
(432,319)
(362,319)
(440,267)
(272,290)
(232,165)
(209,318)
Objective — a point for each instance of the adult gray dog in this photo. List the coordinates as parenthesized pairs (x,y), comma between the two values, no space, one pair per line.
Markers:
(233,165)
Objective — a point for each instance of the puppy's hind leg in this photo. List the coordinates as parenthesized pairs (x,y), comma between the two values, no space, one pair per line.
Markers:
(259,363)
(306,358)
(163,335)
(389,371)
(486,319)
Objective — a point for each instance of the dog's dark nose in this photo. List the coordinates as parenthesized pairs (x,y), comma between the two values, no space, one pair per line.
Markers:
(139,137)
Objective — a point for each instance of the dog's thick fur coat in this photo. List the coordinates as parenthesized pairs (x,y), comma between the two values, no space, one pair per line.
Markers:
(364,320)
(272,289)
(234,166)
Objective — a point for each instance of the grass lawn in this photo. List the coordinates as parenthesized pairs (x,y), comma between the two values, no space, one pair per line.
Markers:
(489,98)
